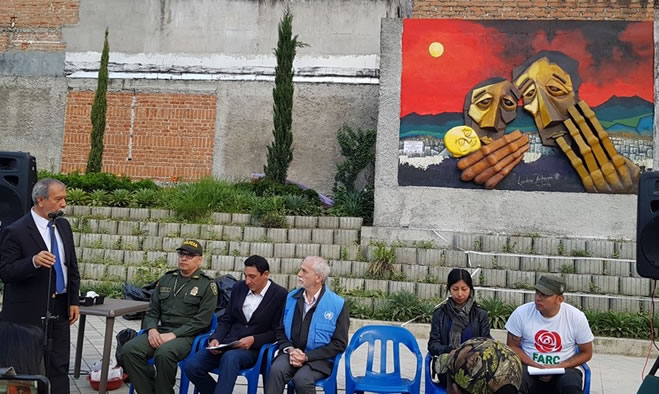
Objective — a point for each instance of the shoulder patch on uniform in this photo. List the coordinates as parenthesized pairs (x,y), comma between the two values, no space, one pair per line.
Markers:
(214,288)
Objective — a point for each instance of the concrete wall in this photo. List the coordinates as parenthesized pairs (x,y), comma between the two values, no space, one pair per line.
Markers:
(565,214)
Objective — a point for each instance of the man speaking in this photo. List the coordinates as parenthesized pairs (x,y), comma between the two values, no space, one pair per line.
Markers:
(33,250)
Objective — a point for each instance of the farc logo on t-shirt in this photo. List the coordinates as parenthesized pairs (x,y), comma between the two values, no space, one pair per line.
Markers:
(548,341)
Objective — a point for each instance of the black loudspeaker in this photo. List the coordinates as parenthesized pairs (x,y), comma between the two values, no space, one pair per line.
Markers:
(18,174)
(647,226)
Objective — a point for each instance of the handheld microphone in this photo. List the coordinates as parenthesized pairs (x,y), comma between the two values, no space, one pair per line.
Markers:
(55,215)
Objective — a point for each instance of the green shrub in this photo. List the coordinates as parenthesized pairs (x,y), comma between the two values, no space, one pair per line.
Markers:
(357,203)
(108,289)
(197,200)
(98,181)
(145,198)
(98,198)
(381,265)
(120,198)
(76,197)
(498,312)
(404,306)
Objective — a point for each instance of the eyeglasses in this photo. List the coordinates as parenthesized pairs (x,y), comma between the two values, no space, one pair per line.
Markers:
(186,255)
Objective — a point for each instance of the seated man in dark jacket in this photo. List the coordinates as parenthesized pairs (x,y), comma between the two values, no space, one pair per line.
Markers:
(313,330)
(251,318)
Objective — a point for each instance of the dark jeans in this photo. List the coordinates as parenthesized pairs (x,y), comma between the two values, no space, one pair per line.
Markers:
(569,383)
(229,363)
(282,372)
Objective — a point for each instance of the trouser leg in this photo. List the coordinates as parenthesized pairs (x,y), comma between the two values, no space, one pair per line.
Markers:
(198,367)
(166,359)
(280,373)
(533,385)
(58,358)
(305,380)
(570,382)
(135,354)
(231,363)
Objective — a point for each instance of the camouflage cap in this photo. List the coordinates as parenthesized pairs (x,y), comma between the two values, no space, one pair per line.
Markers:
(550,285)
(483,366)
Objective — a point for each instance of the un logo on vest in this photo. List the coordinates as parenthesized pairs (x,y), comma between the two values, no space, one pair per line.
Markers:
(329,315)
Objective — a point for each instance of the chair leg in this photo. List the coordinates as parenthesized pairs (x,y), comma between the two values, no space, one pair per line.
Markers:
(185,383)
(131,389)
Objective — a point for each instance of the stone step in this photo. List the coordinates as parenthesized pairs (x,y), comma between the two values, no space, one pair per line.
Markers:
(166,215)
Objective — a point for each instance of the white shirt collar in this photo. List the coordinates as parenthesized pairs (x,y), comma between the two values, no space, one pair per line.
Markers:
(38,220)
(263,291)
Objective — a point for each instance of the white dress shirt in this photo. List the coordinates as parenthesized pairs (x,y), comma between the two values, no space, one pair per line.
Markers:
(310,304)
(252,301)
(42,226)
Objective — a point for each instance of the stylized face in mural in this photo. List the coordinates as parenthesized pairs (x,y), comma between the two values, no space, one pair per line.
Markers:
(461,140)
(547,92)
(489,107)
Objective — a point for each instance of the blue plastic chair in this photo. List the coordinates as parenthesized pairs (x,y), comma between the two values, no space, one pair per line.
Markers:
(328,384)
(586,383)
(431,387)
(381,381)
(199,339)
(251,374)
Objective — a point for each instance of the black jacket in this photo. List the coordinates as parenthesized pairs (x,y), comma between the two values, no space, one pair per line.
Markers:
(441,322)
(264,321)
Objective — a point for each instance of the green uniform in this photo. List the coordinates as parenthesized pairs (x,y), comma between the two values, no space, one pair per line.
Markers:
(183,306)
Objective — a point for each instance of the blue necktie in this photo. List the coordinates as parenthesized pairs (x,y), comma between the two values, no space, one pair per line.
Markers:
(59,274)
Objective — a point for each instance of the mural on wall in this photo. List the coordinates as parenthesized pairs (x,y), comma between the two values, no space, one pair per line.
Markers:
(526,105)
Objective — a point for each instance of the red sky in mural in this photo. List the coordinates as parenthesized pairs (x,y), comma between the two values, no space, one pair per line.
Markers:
(474,52)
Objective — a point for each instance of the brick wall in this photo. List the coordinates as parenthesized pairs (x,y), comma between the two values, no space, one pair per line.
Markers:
(172,134)
(35,25)
(640,10)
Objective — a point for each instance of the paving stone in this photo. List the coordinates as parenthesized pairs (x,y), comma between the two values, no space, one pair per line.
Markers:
(455,258)
(330,251)
(139,213)
(561,265)
(152,243)
(114,256)
(111,241)
(441,273)
(190,230)
(635,286)
(322,236)
(405,255)
(626,250)
(306,221)
(529,297)
(340,268)
(221,218)
(91,255)
(605,284)
(148,228)
(350,223)
(275,264)
(350,284)
(282,280)
(377,285)
(331,222)
(73,221)
(131,273)
(115,273)
(222,263)
(125,227)
(133,257)
(277,235)
(284,250)
(600,248)
(538,264)
(153,256)
(429,290)
(620,304)
(494,243)
(299,235)
(574,247)
(546,246)
(595,304)
(304,250)
(467,241)
(90,240)
(618,268)
(290,266)
(588,266)
(90,224)
(211,231)
(169,229)
(574,300)
(577,282)
(172,260)
(262,249)
(346,237)
(217,247)
(290,221)
(120,212)
(80,210)
(481,260)
(107,226)
(171,244)
(415,272)
(160,214)
(131,242)
(359,268)
(398,287)
(492,278)
(240,218)
(254,234)
(105,212)
(520,279)
(511,297)
(485,294)
(239,248)
(429,257)
(232,233)
(520,244)
(95,271)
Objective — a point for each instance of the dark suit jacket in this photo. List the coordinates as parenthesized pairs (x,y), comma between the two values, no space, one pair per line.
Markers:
(319,358)
(26,287)
(263,323)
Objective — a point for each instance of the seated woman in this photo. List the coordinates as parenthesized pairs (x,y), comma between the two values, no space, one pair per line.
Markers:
(456,320)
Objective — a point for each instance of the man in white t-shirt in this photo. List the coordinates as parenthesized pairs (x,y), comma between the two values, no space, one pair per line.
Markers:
(548,333)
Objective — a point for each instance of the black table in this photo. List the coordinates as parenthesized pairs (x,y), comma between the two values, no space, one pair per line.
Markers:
(111,308)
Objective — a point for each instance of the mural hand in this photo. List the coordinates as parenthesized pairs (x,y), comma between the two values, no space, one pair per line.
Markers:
(605,170)
(492,163)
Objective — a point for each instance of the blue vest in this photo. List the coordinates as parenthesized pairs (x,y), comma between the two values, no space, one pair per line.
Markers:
(323,320)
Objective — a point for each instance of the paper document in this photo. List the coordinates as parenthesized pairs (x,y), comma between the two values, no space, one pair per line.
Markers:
(223,346)
(546,371)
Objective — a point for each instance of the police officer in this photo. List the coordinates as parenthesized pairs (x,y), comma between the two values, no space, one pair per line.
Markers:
(181,307)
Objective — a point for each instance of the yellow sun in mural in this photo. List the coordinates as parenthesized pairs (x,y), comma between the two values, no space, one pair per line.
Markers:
(436,49)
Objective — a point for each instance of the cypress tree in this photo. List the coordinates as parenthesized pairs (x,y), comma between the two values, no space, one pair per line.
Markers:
(280,151)
(95,159)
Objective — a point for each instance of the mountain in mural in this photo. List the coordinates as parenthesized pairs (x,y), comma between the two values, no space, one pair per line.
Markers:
(617,115)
